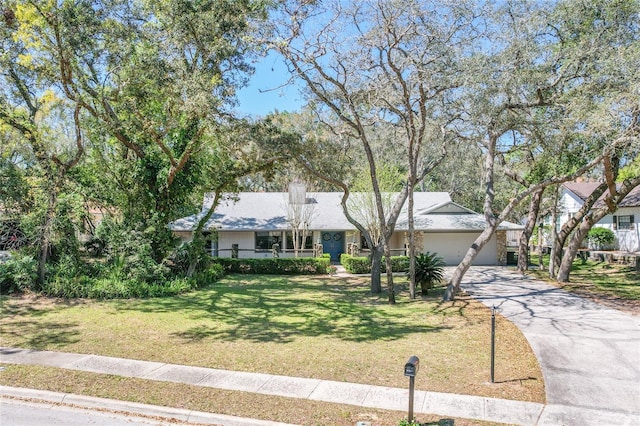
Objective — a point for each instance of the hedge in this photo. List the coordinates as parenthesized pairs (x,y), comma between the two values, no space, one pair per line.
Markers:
(362,265)
(276,266)
(114,288)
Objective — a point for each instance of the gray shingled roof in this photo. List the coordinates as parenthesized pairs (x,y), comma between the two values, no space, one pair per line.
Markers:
(584,189)
(262,211)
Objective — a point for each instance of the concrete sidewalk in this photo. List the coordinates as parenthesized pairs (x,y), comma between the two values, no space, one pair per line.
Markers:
(589,354)
(448,405)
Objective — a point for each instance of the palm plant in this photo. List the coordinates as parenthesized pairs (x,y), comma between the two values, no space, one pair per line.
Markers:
(429,270)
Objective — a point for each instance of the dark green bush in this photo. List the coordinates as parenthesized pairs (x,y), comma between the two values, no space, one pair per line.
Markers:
(112,287)
(68,287)
(276,266)
(210,275)
(398,263)
(106,288)
(18,274)
(186,253)
(362,265)
(355,265)
(130,255)
(601,238)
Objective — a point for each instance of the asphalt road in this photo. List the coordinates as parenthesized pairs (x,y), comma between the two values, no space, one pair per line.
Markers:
(25,413)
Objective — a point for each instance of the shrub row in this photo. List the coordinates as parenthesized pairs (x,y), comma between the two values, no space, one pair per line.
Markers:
(109,288)
(276,266)
(362,265)
(18,274)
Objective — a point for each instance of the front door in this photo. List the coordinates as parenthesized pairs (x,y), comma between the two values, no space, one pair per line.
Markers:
(333,243)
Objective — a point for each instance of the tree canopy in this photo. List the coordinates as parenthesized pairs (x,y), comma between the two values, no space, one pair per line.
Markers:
(127,107)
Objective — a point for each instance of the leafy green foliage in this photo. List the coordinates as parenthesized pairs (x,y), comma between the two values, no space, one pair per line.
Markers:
(18,274)
(405,422)
(130,255)
(362,265)
(600,237)
(14,189)
(429,270)
(109,287)
(188,252)
(276,266)
(355,265)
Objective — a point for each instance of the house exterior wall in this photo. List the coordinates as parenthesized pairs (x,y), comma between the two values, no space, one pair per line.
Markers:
(246,241)
(399,243)
(568,205)
(626,239)
(452,247)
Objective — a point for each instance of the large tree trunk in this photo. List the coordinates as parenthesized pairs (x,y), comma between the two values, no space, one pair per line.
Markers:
(376,269)
(390,285)
(523,244)
(45,237)
(198,237)
(554,233)
(611,202)
(540,246)
(571,250)
(570,225)
(453,287)
(412,250)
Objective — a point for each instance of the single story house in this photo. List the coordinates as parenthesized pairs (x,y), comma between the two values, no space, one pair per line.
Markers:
(249,224)
(623,223)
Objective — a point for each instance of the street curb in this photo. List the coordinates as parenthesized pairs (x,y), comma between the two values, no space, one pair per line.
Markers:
(90,402)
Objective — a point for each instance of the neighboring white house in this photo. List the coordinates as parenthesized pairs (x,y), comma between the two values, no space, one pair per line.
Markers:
(624,222)
(249,224)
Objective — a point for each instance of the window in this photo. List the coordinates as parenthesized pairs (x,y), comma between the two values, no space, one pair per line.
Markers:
(308,241)
(363,243)
(266,239)
(623,222)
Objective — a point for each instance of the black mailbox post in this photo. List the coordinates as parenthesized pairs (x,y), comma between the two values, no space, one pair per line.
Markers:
(412,366)
(410,370)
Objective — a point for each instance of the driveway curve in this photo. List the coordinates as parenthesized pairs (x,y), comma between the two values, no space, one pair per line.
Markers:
(589,354)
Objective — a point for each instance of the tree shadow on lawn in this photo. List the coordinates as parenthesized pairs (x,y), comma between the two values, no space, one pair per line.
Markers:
(23,322)
(279,309)
(39,334)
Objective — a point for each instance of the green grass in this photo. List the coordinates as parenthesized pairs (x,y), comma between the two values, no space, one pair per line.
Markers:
(608,280)
(328,328)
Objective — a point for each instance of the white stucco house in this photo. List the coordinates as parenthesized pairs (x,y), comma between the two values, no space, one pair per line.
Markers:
(250,223)
(623,223)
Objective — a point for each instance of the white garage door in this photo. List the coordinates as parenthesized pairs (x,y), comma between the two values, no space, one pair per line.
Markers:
(452,247)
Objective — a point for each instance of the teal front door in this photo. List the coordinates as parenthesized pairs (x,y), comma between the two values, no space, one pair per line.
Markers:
(333,243)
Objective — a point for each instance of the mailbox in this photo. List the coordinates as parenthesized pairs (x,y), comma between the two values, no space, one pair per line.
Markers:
(411,367)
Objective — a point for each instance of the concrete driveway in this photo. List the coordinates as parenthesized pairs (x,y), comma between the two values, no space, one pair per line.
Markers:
(589,354)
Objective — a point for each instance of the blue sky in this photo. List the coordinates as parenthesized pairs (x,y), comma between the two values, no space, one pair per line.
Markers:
(263,95)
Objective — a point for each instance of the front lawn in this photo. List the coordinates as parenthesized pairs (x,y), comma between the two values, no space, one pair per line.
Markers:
(319,327)
(614,284)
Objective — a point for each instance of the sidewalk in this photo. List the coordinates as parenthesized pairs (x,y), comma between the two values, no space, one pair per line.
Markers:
(448,405)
